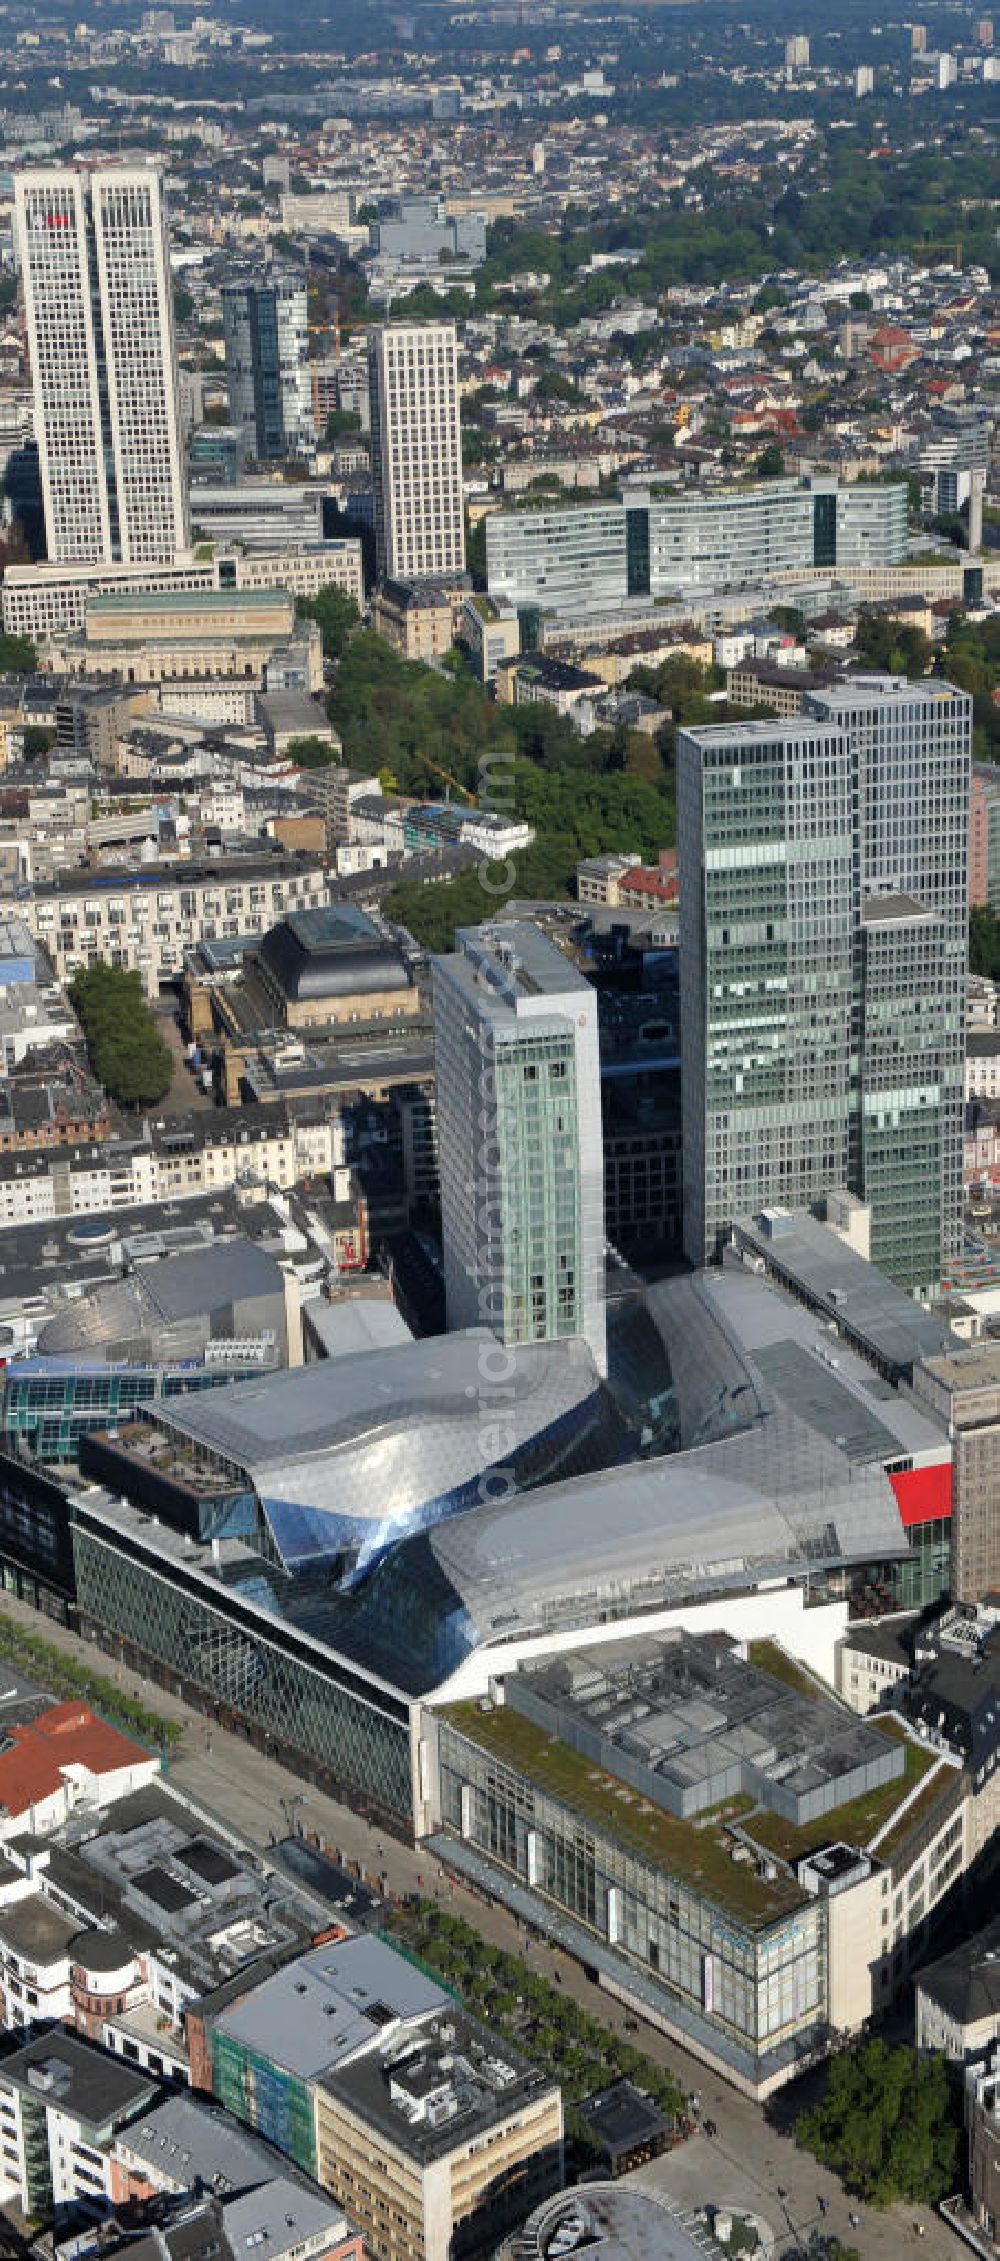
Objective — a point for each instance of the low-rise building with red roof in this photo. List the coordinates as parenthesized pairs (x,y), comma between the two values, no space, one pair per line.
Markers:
(65,1759)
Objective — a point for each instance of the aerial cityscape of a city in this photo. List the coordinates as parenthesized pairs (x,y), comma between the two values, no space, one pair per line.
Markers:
(499,1132)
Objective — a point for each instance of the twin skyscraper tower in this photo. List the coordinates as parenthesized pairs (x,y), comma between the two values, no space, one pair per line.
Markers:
(99,308)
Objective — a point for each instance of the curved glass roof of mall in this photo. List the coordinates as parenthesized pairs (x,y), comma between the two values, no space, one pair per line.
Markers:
(436,1498)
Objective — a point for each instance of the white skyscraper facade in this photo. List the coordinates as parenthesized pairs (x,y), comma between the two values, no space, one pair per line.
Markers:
(416,450)
(519,1139)
(99,310)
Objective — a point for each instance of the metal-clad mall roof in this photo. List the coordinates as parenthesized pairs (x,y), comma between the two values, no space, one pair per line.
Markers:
(347,1455)
(888,1325)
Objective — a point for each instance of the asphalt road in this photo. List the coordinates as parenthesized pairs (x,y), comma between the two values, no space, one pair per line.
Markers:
(750,2161)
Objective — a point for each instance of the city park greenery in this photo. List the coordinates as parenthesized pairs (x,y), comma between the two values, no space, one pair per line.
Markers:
(971,659)
(17,656)
(517,2000)
(888,2123)
(124,1046)
(336,615)
(62,1675)
(435,732)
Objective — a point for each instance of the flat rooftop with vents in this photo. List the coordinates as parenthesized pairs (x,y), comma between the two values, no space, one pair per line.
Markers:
(888,1327)
(86,2084)
(447,2084)
(719,1772)
(329,2006)
(689,1722)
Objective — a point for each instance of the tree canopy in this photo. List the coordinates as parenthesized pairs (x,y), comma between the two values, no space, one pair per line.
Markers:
(984,942)
(336,616)
(17,655)
(893,646)
(971,660)
(124,1046)
(312,752)
(341,422)
(888,2123)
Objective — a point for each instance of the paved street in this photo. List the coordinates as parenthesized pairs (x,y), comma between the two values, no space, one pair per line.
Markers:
(185,1091)
(745,2165)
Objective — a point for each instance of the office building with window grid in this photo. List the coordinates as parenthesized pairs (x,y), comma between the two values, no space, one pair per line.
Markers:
(265,324)
(764,836)
(911,764)
(99,311)
(824,879)
(519,1137)
(416,450)
(579,557)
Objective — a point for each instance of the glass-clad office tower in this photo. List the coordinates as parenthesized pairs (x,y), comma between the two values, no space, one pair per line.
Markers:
(824,884)
(519,1139)
(265,325)
(911,752)
(765,850)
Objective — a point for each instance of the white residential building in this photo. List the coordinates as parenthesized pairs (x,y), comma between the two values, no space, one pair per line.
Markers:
(174,1163)
(416,450)
(147,919)
(99,309)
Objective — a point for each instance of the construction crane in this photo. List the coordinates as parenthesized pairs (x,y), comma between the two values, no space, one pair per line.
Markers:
(449,779)
(921,250)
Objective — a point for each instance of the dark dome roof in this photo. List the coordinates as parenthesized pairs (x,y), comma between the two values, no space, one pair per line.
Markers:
(102,1950)
(331,952)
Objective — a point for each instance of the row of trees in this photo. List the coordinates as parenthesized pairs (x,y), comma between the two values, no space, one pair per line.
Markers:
(124,1046)
(515,1999)
(62,1675)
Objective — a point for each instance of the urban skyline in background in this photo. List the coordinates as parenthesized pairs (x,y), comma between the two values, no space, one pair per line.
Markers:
(499,1133)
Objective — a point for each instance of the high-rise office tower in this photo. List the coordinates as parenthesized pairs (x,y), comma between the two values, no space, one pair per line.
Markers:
(99,308)
(519,1139)
(911,752)
(823,868)
(265,324)
(765,857)
(416,450)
